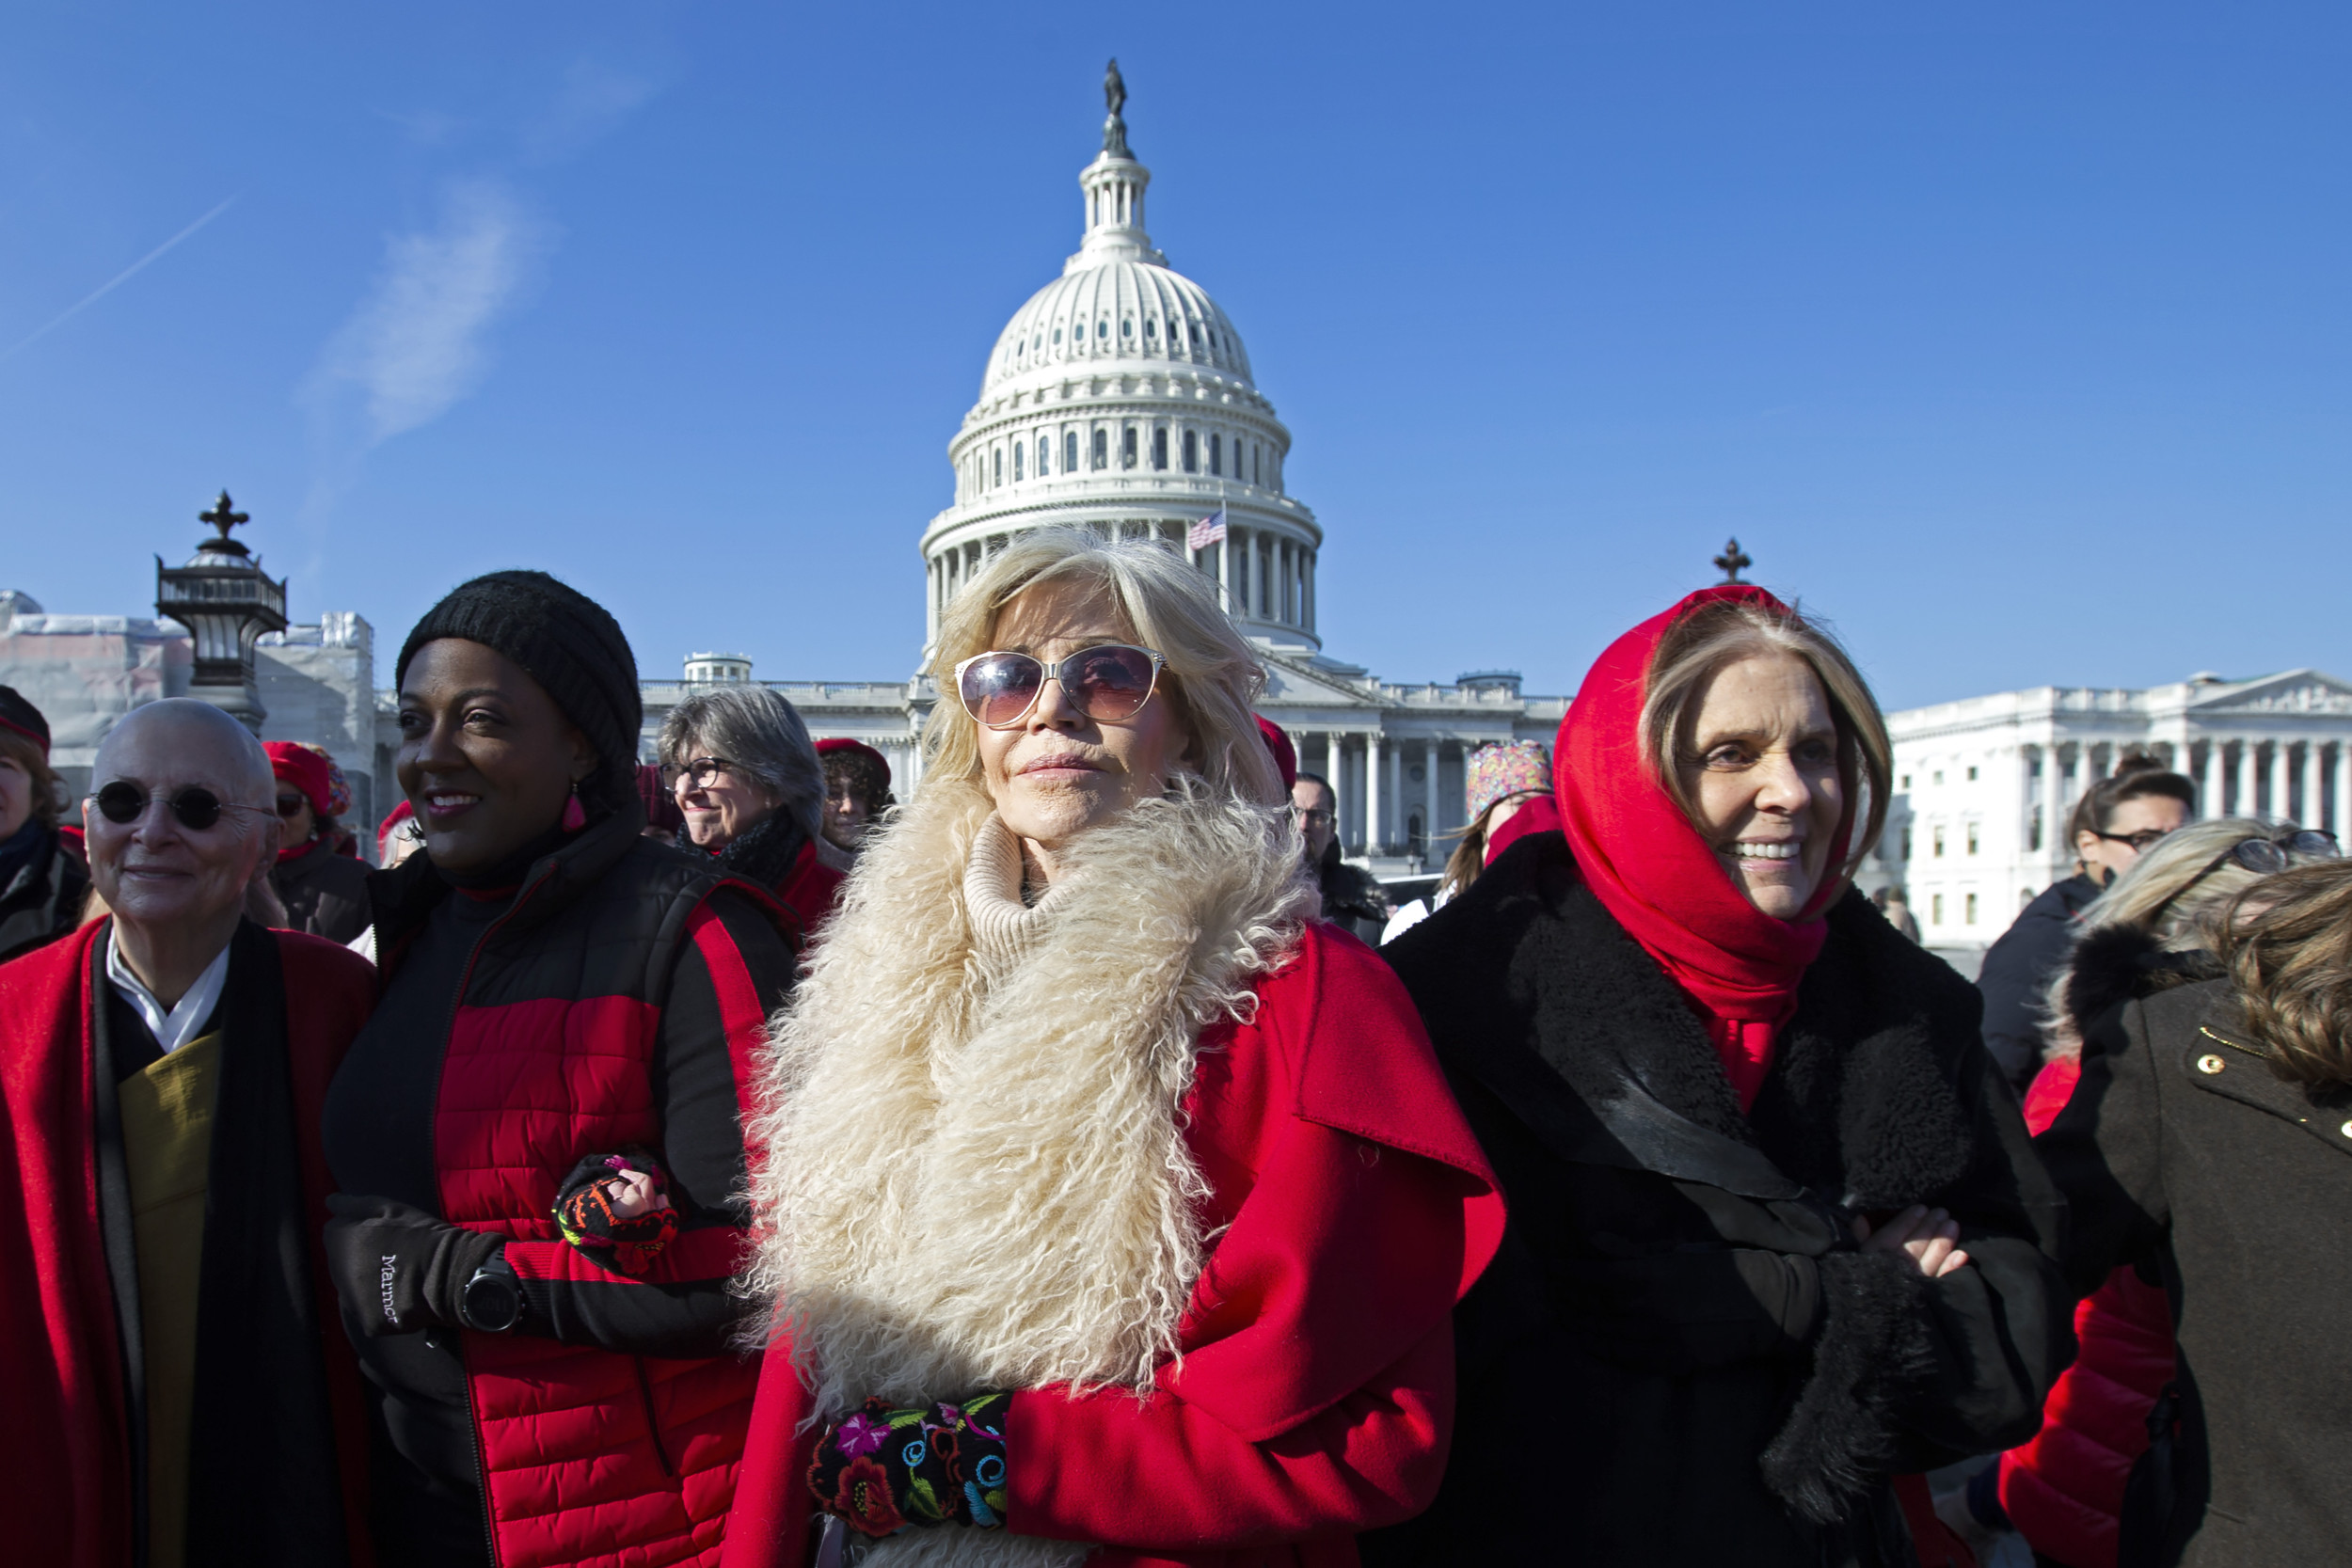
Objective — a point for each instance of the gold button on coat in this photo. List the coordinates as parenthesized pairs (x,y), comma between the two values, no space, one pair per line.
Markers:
(2209,1063)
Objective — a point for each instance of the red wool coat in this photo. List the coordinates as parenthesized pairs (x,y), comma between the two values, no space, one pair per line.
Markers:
(65,1445)
(1315,1394)
(2064,1490)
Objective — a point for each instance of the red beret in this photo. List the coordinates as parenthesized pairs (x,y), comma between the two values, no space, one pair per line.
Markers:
(1285,755)
(398,815)
(23,717)
(309,770)
(856,748)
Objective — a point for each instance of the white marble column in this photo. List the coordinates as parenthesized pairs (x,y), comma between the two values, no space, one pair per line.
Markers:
(1394,826)
(2281,775)
(2342,795)
(2309,811)
(1429,809)
(1375,745)
(2244,804)
(2213,784)
(2054,845)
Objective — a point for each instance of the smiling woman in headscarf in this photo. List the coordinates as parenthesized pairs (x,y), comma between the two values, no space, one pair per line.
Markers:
(1776,1232)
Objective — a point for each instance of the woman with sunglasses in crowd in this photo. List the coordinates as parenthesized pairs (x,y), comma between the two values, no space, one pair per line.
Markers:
(537,1137)
(2152,930)
(2208,1143)
(1776,1236)
(1113,1206)
(2110,826)
(322,883)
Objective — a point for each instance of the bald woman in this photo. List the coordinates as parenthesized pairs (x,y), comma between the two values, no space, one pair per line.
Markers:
(178,1390)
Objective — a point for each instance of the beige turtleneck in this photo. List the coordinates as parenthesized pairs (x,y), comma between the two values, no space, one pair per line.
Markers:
(1006,927)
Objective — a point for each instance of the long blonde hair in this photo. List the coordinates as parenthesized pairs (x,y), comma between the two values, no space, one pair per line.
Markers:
(1210,673)
(2164,894)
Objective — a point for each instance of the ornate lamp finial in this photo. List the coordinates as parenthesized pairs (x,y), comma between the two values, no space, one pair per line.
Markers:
(1114,128)
(1732,563)
(224,519)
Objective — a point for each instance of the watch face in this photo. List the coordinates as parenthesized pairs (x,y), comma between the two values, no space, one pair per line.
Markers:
(492,1302)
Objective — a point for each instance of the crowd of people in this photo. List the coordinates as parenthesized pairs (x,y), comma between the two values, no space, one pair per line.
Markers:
(716,1159)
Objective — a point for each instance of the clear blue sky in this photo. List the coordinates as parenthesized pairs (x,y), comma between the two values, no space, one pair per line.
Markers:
(2012,337)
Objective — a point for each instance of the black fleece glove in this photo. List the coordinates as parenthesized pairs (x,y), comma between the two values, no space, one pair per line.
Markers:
(397,1267)
(1695,1311)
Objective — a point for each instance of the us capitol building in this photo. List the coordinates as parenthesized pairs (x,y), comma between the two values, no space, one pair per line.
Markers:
(1120,398)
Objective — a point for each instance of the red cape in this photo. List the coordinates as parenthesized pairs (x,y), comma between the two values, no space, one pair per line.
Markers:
(65,1446)
(1315,1398)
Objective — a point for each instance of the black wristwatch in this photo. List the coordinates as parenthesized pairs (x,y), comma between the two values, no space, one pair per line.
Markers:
(492,1301)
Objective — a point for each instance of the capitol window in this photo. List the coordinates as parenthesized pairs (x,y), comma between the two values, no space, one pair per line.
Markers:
(1972,838)
(1057,334)
(1935,911)
(1256,468)
(1217,454)
(1970,909)
(1972,775)
(1069,451)
(1016,460)
(1192,451)
(1127,448)
(1044,452)
(1936,847)
(1127,329)
(1159,449)
(1102,329)
(1000,466)
(1102,449)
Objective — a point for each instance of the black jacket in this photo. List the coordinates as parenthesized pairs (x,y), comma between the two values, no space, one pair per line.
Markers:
(1352,899)
(324,892)
(1679,1355)
(43,900)
(2018,967)
(2182,1147)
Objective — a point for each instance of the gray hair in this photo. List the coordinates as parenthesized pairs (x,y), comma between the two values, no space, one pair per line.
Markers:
(760,731)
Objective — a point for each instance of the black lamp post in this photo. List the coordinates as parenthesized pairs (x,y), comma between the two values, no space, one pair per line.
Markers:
(227,602)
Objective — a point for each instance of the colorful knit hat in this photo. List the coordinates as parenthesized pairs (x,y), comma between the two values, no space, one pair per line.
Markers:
(1499,772)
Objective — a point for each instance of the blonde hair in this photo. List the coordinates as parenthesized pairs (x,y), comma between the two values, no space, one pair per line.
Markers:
(1210,673)
(2292,966)
(1720,633)
(2163,894)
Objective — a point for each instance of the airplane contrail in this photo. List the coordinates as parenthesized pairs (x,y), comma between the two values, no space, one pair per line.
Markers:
(117,281)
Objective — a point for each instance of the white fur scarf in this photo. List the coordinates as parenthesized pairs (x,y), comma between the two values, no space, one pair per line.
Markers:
(975,1177)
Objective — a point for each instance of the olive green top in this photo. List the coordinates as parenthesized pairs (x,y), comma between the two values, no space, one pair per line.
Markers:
(167,1146)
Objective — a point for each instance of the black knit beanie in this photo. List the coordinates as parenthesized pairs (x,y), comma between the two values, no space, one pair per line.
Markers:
(567,641)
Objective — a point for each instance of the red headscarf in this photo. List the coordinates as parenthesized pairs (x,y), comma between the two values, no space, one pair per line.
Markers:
(1651,869)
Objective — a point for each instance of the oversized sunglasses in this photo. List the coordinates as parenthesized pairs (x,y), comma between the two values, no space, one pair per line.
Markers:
(1106,682)
(197,808)
(2261,856)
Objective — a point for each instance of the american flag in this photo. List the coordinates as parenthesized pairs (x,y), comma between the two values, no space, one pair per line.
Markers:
(1208,531)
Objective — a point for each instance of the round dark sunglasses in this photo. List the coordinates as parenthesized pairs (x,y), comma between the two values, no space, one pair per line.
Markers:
(1106,682)
(197,808)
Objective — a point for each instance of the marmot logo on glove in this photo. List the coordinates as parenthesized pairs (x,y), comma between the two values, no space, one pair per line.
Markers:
(389,1267)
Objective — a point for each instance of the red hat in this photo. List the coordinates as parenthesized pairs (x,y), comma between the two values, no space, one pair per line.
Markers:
(661,810)
(840,743)
(1285,754)
(398,815)
(23,717)
(309,770)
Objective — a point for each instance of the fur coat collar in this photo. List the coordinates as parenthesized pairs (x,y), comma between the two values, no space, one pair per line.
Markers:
(976,1174)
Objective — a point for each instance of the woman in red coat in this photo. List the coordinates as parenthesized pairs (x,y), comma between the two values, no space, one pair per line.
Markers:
(1113,1208)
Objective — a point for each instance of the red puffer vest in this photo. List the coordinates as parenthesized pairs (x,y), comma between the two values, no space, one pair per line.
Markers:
(2064,1490)
(589,1456)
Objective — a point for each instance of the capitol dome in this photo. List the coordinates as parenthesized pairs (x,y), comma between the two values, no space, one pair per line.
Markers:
(1120,398)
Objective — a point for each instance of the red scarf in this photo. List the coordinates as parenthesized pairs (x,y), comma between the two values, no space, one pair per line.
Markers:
(1651,869)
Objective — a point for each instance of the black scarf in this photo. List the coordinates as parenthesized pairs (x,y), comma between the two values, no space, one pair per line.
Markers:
(762,857)
(263,1487)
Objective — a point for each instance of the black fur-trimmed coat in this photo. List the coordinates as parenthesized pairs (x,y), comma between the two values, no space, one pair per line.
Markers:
(1680,1355)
